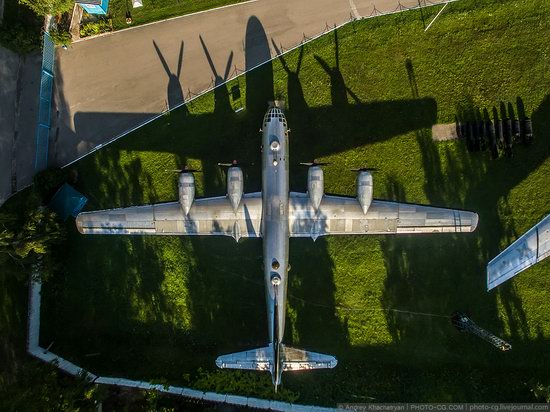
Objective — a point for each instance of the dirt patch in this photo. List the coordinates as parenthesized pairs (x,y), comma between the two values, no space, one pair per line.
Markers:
(444,131)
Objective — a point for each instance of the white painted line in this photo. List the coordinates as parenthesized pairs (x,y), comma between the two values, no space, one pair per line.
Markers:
(162,21)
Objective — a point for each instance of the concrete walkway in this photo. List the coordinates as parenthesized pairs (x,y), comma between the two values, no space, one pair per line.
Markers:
(108,85)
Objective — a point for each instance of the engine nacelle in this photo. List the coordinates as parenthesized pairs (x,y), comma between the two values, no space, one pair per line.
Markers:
(235,186)
(315,185)
(186,190)
(364,190)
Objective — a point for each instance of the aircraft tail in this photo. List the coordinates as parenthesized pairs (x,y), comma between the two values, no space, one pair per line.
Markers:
(264,359)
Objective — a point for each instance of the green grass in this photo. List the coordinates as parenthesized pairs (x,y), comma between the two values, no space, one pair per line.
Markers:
(155,10)
(163,308)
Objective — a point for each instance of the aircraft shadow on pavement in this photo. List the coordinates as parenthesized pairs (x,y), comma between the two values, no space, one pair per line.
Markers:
(225,292)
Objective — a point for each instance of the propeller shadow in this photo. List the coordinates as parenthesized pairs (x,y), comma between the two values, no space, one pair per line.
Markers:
(174,92)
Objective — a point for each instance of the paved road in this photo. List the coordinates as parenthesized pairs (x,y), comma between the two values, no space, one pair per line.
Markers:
(19,84)
(9,67)
(110,84)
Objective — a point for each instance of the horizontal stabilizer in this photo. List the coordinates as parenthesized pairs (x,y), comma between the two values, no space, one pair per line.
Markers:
(254,359)
(297,360)
(261,359)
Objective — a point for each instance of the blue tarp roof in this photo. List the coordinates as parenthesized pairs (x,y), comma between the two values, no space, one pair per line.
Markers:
(67,202)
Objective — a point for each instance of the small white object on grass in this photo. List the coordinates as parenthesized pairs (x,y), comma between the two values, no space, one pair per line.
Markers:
(137,3)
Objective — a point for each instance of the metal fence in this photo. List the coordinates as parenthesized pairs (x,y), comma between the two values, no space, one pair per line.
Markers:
(45,104)
(237,72)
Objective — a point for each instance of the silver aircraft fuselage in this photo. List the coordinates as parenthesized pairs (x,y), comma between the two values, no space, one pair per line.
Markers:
(275,228)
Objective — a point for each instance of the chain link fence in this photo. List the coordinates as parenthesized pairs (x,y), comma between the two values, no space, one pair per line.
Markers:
(280,50)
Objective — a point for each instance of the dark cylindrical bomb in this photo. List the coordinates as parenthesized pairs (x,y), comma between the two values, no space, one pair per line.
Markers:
(490,132)
(500,132)
(475,136)
(528,130)
(470,139)
(460,129)
(508,140)
(482,135)
(463,130)
(516,128)
(508,132)
(490,127)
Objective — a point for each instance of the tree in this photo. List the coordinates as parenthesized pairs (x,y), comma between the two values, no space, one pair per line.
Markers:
(45,7)
(6,238)
(36,239)
(40,387)
(41,228)
(541,391)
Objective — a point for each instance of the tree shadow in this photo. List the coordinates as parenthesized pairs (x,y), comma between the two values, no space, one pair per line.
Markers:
(112,287)
(427,282)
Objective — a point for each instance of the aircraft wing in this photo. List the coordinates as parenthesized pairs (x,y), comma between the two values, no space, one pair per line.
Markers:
(207,216)
(530,248)
(338,215)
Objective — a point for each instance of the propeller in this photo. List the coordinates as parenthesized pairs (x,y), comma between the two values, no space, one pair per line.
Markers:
(314,163)
(185,169)
(365,169)
(235,163)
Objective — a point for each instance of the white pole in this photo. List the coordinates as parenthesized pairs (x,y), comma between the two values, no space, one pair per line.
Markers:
(443,8)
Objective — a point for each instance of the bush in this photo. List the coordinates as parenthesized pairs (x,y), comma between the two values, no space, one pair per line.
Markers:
(45,7)
(19,39)
(32,236)
(47,182)
(96,27)
(60,37)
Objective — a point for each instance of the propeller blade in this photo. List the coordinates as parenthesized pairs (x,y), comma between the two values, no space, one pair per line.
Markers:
(183,170)
(232,164)
(236,163)
(314,163)
(365,169)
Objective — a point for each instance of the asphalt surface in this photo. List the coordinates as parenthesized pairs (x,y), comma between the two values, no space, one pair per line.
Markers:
(9,68)
(108,85)
(19,94)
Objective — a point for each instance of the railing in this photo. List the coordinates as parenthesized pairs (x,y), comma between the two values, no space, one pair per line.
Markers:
(45,104)
(44,354)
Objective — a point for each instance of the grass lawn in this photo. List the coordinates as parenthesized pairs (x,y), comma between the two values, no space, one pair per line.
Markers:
(154,10)
(162,308)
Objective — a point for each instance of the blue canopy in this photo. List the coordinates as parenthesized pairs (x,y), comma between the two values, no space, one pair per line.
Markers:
(67,202)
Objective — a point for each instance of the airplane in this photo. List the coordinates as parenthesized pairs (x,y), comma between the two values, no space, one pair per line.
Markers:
(275,214)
